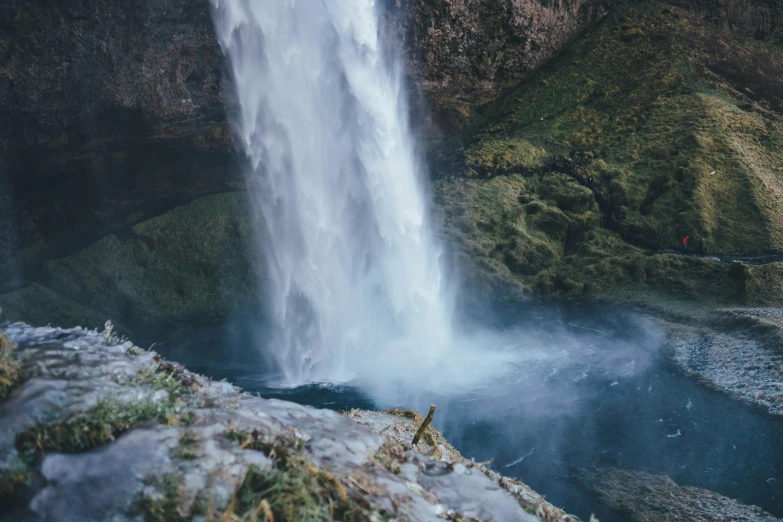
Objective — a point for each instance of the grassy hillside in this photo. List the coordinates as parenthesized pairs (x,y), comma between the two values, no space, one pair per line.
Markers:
(191,264)
(654,116)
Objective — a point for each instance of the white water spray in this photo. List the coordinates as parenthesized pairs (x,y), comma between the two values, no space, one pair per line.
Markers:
(356,282)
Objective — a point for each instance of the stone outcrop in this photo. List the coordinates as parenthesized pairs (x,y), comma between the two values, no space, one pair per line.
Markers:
(110,113)
(650,498)
(462,53)
(98,429)
(193,264)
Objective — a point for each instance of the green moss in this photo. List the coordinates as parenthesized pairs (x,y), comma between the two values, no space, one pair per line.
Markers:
(763,284)
(666,105)
(293,489)
(9,367)
(194,262)
(165,505)
(90,429)
(111,418)
(499,156)
(40,306)
(187,448)
(679,125)
(276,446)
(162,377)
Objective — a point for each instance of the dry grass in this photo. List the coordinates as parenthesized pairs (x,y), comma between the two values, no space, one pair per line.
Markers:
(9,367)
(293,489)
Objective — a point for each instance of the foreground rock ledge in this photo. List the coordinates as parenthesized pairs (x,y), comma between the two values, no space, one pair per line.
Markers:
(96,428)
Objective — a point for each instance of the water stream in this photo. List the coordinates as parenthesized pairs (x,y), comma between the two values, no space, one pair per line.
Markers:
(355,282)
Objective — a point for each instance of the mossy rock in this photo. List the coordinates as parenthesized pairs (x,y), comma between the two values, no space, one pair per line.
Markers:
(38,305)
(193,263)
(566,194)
(9,367)
(671,124)
(503,156)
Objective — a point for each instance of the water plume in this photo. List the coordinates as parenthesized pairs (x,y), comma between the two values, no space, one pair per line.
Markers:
(356,290)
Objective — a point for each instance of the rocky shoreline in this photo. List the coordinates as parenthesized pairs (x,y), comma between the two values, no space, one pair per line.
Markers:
(745,364)
(650,498)
(98,429)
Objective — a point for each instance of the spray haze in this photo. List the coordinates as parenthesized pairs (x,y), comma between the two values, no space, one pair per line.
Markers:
(356,289)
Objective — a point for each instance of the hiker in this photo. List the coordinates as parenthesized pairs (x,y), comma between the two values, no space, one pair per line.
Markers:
(685,242)
(701,245)
(590,182)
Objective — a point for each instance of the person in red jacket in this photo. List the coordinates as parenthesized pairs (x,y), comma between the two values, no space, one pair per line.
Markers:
(685,242)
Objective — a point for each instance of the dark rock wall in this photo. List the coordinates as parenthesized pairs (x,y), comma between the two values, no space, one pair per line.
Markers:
(110,112)
(466,50)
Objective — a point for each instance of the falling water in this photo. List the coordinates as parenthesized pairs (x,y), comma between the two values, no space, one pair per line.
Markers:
(355,281)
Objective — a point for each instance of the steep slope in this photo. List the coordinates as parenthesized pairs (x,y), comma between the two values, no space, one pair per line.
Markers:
(652,126)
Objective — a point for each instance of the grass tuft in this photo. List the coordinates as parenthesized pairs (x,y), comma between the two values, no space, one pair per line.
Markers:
(9,368)
(293,489)
(90,429)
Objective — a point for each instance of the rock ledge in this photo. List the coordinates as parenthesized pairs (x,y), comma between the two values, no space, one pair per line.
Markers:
(99,429)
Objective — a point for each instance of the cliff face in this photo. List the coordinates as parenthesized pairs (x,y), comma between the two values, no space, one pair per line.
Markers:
(110,112)
(461,53)
(654,125)
(113,112)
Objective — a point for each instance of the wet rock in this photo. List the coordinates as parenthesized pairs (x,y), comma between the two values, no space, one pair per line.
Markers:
(647,498)
(732,362)
(197,449)
(399,427)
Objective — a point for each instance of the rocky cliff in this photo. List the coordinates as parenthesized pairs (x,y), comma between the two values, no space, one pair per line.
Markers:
(112,114)
(463,53)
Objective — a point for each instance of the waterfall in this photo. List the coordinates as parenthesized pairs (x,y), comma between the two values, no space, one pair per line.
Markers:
(355,282)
